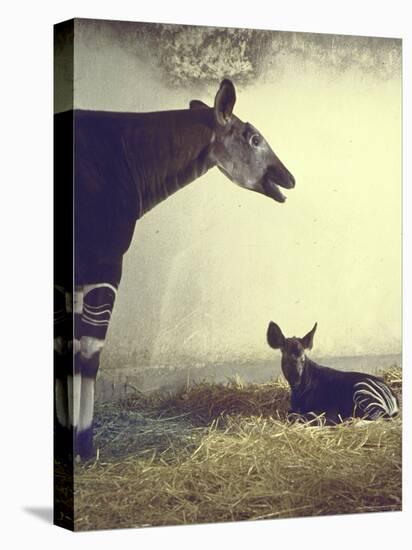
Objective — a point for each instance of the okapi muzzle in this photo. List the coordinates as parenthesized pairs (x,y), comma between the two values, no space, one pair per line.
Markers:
(276,176)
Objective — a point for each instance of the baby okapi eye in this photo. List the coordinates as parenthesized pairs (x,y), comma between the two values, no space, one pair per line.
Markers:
(255,140)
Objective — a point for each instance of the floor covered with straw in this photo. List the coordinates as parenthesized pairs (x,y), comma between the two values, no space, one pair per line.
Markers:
(225,452)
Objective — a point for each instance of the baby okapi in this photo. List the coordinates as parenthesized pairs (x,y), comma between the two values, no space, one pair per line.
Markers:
(317,390)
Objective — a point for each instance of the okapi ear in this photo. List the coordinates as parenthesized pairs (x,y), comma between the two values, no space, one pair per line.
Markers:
(307,341)
(197,104)
(224,102)
(274,336)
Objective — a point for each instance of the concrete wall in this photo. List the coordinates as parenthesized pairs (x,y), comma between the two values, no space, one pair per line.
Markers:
(212,265)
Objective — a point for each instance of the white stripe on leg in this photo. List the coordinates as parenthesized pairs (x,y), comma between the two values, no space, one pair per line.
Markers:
(76,346)
(78,300)
(87,403)
(61,403)
(74,394)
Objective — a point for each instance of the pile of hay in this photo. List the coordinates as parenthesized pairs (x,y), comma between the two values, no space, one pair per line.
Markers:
(248,463)
(206,402)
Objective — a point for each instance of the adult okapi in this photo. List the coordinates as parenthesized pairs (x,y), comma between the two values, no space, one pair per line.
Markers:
(318,390)
(122,165)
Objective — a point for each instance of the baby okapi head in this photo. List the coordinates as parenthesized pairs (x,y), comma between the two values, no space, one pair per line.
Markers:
(292,349)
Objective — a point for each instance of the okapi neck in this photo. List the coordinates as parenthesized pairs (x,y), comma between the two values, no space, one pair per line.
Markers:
(182,154)
(171,181)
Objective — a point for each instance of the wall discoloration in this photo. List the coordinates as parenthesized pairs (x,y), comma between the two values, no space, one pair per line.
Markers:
(209,266)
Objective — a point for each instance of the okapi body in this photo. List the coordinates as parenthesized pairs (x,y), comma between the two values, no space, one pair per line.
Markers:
(123,165)
(317,390)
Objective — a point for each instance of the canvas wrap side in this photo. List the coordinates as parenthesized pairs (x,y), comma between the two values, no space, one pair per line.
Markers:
(63,509)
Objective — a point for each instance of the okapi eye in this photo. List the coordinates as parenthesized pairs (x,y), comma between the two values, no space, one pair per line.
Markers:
(254,140)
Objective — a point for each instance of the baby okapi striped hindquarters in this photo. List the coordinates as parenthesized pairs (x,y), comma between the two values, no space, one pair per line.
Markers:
(318,390)
(124,165)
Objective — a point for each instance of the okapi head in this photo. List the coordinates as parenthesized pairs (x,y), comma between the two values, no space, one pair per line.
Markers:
(292,349)
(241,152)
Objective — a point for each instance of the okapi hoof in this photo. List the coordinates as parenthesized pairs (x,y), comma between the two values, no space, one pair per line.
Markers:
(84,447)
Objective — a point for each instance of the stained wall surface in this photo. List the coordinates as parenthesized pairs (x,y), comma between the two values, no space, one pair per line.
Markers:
(208,268)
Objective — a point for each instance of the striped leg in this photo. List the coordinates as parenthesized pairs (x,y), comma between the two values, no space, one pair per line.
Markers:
(373,399)
(63,367)
(93,306)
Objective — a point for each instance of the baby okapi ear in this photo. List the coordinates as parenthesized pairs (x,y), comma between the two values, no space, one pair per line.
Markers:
(197,104)
(274,336)
(307,341)
(224,102)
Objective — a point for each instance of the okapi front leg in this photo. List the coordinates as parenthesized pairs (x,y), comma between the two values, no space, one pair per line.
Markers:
(92,321)
(63,367)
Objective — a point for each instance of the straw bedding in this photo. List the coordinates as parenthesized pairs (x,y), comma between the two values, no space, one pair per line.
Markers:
(225,452)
